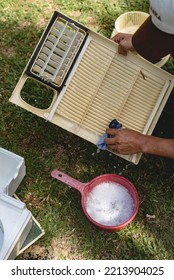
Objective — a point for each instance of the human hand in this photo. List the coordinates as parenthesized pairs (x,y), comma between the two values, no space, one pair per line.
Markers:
(125,141)
(124,41)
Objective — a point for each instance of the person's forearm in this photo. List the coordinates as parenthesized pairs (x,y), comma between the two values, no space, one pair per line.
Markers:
(126,141)
(158,146)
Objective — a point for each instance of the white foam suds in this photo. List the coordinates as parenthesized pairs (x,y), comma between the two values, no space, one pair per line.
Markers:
(110,204)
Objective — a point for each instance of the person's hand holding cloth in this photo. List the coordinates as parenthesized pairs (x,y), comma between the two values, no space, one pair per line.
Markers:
(121,140)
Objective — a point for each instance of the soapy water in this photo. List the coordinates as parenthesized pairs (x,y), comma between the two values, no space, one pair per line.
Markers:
(110,204)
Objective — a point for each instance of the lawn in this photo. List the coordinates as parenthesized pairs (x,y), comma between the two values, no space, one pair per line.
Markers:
(68,233)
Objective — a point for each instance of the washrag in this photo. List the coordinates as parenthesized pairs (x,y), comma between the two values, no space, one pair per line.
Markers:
(101,142)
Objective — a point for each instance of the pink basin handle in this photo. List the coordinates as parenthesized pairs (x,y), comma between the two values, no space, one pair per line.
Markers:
(64,178)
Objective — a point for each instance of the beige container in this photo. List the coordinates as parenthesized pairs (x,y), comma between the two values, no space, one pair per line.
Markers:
(129,23)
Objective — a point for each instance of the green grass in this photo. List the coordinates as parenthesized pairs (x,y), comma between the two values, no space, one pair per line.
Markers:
(68,233)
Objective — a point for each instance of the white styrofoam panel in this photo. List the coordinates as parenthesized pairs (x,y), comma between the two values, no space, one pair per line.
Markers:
(15,224)
(12,171)
(1,235)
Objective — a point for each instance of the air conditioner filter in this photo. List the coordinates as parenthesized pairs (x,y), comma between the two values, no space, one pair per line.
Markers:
(91,84)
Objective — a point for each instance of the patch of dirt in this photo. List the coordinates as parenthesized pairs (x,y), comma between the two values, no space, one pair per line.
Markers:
(74,14)
(60,249)
(32,201)
(7,51)
(63,249)
(36,252)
